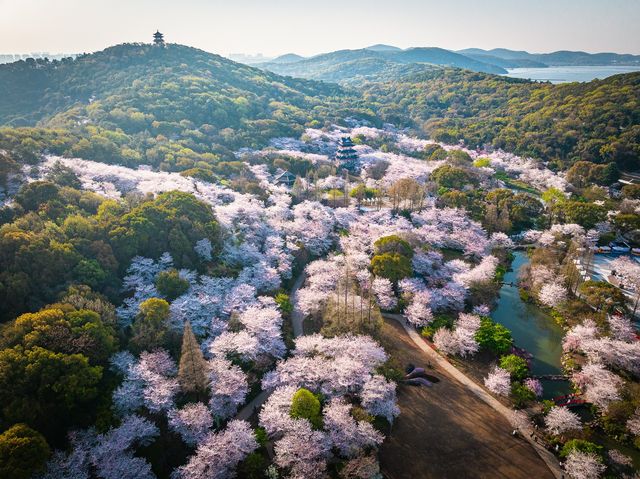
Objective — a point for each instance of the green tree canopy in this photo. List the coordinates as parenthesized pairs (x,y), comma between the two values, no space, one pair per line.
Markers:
(170,284)
(305,404)
(392,266)
(517,366)
(393,244)
(150,327)
(45,388)
(23,452)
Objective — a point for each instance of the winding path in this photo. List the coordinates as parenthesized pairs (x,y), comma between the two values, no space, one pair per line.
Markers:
(297,319)
(477,390)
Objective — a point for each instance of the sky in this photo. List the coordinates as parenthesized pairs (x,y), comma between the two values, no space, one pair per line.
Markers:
(274,27)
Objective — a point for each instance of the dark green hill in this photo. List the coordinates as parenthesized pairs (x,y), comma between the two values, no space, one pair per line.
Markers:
(138,103)
(209,88)
(597,121)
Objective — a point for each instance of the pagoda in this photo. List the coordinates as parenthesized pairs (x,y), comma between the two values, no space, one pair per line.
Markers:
(346,155)
(158,39)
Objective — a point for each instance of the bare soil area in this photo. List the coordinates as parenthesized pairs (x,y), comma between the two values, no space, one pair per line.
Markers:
(446,431)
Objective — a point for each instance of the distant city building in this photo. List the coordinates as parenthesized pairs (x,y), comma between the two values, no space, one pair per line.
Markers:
(346,155)
(158,39)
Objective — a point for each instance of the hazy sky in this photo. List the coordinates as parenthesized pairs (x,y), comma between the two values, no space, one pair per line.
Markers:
(280,26)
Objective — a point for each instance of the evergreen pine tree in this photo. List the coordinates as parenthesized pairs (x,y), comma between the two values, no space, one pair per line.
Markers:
(192,373)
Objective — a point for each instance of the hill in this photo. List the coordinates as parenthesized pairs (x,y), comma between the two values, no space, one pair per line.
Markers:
(287,58)
(379,47)
(159,105)
(559,58)
(182,109)
(373,64)
(597,121)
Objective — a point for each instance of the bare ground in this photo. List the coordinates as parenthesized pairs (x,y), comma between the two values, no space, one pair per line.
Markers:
(448,432)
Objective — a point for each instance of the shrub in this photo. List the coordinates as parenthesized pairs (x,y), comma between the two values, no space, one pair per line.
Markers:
(494,337)
(517,366)
(306,405)
(521,395)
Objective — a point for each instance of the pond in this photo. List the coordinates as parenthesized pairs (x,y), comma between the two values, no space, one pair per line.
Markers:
(532,329)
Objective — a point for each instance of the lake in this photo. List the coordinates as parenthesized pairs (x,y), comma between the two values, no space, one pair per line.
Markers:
(569,73)
(532,329)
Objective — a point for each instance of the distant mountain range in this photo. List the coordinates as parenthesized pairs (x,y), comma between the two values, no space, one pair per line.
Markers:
(384,62)
(559,58)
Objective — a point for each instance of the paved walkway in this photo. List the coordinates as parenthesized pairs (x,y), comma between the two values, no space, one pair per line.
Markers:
(297,319)
(480,392)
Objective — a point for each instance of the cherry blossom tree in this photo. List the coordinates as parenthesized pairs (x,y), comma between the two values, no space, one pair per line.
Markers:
(192,422)
(498,381)
(600,386)
(552,294)
(621,328)
(419,313)
(149,382)
(461,341)
(633,424)
(229,388)
(581,332)
(383,290)
(485,271)
(378,397)
(583,465)
(219,454)
(628,270)
(108,455)
(204,249)
(346,434)
(534,385)
(560,420)
(303,451)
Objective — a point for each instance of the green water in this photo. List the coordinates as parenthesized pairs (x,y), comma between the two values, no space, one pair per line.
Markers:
(532,329)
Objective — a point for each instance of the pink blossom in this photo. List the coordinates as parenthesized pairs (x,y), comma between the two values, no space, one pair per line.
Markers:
(560,420)
(229,388)
(552,294)
(498,381)
(534,385)
(419,313)
(582,465)
(303,451)
(379,398)
(383,290)
(218,455)
(192,422)
(346,434)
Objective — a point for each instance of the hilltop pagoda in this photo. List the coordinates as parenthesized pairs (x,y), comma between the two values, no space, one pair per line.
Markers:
(158,39)
(346,155)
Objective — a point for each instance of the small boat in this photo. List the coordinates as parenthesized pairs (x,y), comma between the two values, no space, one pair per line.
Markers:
(635,251)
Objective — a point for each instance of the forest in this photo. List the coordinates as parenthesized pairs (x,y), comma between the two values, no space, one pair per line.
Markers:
(180,108)
(170,308)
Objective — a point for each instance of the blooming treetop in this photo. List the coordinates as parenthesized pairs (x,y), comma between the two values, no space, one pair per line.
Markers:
(498,381)
(560,420)
(218,455)
(461,341)
(583,465)
(192,422)
(109,455)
